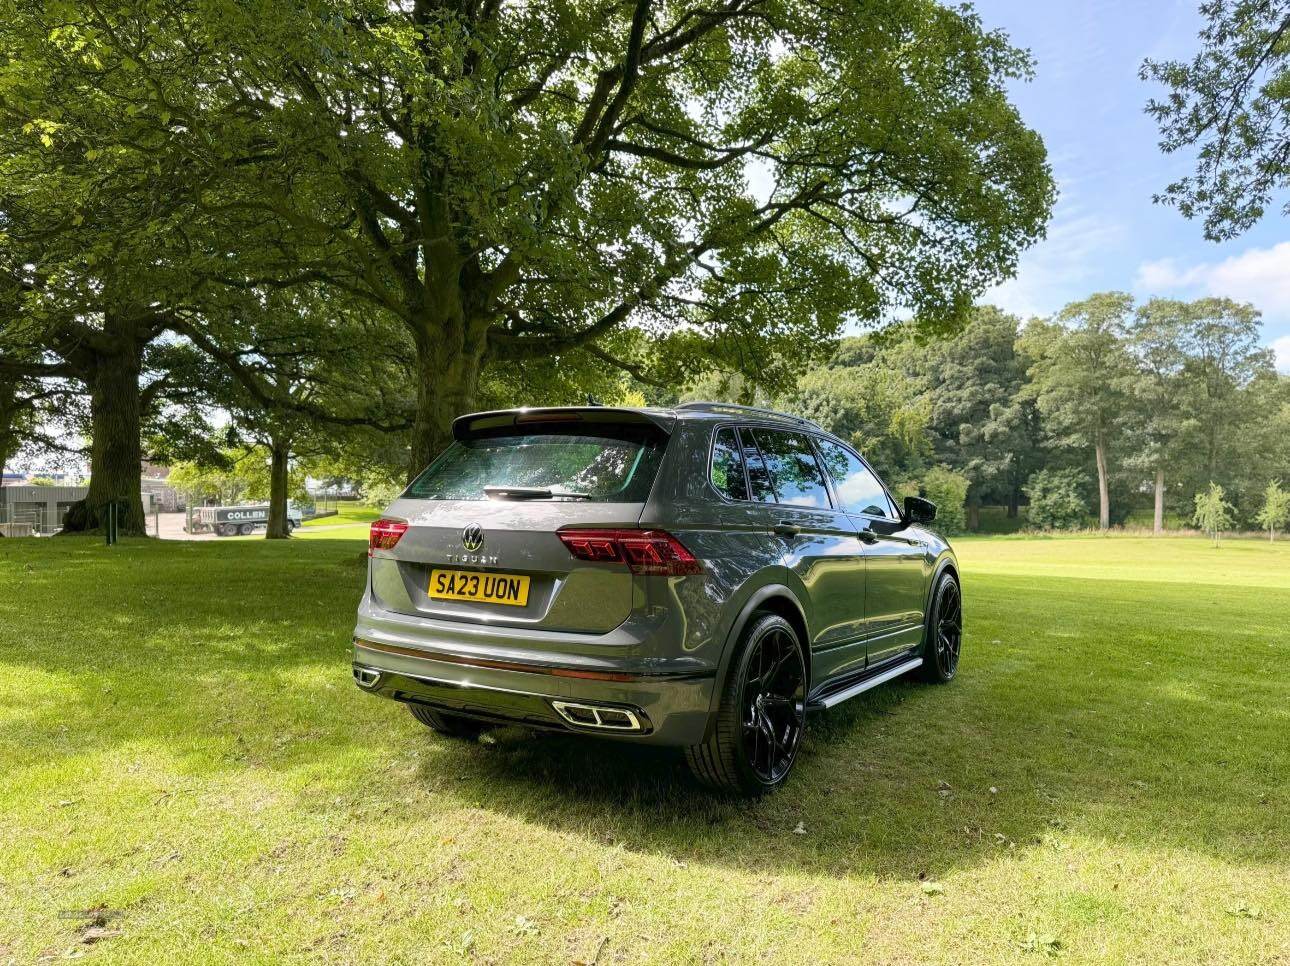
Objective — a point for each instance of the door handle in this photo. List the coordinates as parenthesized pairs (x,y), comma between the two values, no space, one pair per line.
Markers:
(786,528)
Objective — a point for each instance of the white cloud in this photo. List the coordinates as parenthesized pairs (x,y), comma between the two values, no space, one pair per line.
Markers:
(1060,268)
(1281,347)
(1260,276)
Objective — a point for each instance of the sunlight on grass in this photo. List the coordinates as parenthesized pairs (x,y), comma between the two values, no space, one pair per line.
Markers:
(346,513)
(186,755)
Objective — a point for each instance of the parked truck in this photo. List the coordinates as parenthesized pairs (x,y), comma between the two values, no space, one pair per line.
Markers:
(230,521)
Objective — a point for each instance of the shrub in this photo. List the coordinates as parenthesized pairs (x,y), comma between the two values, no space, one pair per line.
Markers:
(1056,501)
(948,490)
(379,492)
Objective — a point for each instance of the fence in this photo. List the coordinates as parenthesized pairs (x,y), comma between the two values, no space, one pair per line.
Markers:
(23,522)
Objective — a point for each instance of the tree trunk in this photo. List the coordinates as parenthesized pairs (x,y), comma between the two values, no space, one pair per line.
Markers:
(447,383)
(1159,523)
(8,415)
(116,455)
(974,515)
(1103,489)
(1014,501)
(279,452)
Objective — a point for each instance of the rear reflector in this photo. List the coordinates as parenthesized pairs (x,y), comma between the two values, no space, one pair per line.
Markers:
(653,552)
(385,534)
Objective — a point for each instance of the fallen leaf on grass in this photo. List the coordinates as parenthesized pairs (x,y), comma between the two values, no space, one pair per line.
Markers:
(96,934)
(1245,911)
(800,830)
(1041,944)
(933,888)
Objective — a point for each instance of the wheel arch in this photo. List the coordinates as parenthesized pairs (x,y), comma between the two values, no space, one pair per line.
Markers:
(946,563)
(771,598)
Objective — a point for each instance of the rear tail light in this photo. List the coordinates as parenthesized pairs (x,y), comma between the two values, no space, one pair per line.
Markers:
(654,552)
(385,534)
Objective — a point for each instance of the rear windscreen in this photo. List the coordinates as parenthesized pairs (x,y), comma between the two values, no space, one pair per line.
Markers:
(614,467)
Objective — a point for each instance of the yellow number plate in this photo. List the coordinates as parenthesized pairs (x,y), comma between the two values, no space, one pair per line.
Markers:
(510,589)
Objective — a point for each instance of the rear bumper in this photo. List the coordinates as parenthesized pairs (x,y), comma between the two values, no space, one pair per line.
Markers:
(531,682)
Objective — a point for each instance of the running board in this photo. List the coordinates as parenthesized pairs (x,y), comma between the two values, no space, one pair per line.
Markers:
(837,697)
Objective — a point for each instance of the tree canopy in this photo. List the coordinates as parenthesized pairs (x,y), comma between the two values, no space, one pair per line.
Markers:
(515,182)
(1231,104)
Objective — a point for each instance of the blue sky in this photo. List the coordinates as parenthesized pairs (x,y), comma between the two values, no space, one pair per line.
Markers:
(1086,101)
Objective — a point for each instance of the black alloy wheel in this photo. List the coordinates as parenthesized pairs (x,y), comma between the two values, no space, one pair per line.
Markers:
(773,702)
(944,637)
(762,717)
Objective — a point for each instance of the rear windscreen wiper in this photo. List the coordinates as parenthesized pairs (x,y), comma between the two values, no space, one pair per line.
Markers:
(532,493)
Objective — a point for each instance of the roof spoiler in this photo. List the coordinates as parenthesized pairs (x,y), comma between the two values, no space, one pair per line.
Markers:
(500,420)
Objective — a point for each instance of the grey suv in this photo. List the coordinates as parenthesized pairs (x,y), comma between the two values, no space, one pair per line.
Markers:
(700,577)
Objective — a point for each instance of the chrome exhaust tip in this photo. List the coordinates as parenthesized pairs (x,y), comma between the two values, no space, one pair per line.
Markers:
(366,678)
(601,717)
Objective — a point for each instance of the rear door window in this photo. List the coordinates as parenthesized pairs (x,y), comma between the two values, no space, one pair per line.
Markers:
(572,465)
(728,465)
(857,487)
(794,472)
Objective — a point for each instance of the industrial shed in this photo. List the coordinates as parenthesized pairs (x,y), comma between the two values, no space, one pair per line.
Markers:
(26,509)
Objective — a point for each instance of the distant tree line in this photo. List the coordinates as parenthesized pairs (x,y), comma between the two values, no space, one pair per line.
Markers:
(1107,408)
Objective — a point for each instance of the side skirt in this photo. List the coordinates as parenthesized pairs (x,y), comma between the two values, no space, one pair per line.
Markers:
(836,692)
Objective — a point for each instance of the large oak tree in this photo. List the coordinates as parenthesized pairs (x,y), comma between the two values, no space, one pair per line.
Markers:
(517,181)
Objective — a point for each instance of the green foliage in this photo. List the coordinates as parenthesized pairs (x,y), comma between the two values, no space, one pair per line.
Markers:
(380,493)
(1231,104)
(1159,340)
(1082,377)
(948,490)
(517,182)
(982,423)
(873,406)
(1230,403)
(241,475)
(1275,513)
(1057,499)
(1213,512)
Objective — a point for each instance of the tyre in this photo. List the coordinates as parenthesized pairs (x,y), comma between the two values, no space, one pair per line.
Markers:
(762,715)
(290,526)
(226,530)
(454,726)
(943,634)
(246,529)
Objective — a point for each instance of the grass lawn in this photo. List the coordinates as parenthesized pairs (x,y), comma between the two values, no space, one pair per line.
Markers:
(187,764)
(351,522)
(347,513)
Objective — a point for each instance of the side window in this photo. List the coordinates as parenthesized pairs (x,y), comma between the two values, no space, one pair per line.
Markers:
(858,489)
(794,472)
(758,477)
(728,465)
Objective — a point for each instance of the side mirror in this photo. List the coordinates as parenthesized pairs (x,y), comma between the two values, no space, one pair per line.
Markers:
(918,510)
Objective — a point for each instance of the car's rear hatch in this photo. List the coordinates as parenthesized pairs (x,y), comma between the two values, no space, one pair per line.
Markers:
(482,542)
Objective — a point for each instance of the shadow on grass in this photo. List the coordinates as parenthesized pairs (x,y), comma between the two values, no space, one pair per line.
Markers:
(1149,715)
